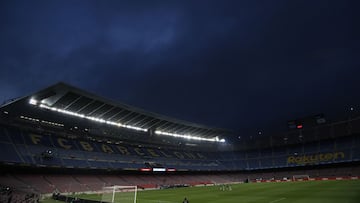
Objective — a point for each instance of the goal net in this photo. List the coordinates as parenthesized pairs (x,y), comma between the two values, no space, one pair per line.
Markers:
(300,177)
(119,194)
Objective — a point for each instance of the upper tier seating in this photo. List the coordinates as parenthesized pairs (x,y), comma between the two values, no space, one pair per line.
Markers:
(50,150)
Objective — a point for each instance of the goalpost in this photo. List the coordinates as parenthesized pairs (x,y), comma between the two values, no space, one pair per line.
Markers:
(300,177)
(121,194)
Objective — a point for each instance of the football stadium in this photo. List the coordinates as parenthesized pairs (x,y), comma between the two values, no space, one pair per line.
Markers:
(64,144)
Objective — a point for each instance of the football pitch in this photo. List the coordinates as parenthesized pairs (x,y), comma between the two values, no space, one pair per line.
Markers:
(286,192)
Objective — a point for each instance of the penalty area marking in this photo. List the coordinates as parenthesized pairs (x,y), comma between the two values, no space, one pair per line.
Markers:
(277,200)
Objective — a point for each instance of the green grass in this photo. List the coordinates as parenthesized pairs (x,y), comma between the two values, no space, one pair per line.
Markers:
(287,192)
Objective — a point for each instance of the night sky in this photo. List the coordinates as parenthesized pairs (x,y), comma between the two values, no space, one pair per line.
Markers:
(240,65)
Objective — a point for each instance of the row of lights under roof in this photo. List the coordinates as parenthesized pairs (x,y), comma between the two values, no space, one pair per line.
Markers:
(43,105)
(30,119)
(42,121)
(215,139)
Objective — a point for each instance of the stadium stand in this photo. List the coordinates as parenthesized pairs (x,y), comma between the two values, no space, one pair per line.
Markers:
(56,151)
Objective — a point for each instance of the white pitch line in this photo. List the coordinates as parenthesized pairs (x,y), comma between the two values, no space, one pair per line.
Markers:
(277,200)
(159,201)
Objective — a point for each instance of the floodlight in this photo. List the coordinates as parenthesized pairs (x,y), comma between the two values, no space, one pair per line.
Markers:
(33,101)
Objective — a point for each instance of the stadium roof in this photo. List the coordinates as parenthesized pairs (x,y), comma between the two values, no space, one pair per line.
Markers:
(66,99)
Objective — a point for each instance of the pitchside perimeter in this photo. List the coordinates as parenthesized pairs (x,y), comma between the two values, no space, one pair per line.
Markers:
(284,192)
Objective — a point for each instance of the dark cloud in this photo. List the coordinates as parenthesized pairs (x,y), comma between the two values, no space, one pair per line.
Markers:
(243,65)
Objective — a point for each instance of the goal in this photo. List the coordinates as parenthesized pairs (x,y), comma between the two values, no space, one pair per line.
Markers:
(119,194)
(224,187)
(300,177)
